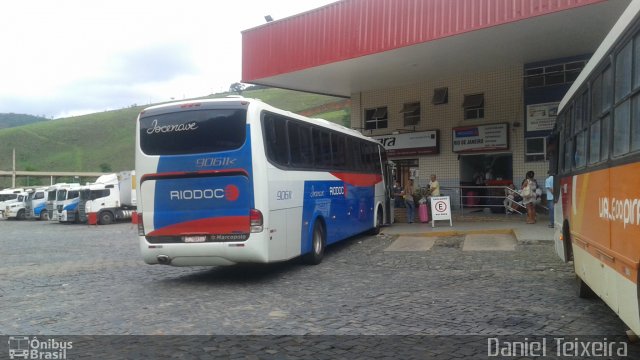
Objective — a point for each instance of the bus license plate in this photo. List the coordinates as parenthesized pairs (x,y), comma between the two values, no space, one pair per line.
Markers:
(194,239)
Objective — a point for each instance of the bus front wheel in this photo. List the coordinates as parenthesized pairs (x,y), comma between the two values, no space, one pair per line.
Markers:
(317,246)
(378,224)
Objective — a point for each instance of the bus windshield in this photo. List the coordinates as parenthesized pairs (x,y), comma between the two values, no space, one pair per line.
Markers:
(193,132)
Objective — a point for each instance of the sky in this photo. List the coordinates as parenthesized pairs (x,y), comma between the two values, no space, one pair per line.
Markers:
(71,57)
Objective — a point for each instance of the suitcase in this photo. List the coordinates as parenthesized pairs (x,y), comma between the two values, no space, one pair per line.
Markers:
(423,213)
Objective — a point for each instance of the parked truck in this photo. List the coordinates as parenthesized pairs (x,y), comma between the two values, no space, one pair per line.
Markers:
(36,204)
(52,195)
(8,195)
(14,208)
(112,197)
(67,200)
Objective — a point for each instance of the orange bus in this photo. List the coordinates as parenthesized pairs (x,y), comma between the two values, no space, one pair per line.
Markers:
(596,167)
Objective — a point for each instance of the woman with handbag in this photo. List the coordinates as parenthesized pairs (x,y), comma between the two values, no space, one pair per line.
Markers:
(529,195)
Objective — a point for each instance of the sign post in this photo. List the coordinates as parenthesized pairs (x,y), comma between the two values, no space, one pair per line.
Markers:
(440,209)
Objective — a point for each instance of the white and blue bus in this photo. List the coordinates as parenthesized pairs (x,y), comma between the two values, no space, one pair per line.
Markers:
(235,180)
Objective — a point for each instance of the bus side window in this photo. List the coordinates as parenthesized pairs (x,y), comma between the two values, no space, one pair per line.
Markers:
(300,145)
(276,139)
(338,151)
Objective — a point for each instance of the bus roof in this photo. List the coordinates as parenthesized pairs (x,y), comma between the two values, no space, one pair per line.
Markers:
(234,99)
(624,22)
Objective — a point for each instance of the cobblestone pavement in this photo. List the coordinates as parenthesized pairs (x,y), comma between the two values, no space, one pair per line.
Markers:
(61,279)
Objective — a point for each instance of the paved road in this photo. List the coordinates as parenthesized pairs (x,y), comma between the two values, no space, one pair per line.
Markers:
(61,279)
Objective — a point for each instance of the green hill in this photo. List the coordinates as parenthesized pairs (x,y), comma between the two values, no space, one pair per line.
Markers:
(12,120)
(92,142)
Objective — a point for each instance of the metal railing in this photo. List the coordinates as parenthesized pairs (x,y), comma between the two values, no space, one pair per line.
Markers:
(500,199)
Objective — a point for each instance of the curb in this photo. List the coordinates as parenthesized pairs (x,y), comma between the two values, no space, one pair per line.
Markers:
(458,233)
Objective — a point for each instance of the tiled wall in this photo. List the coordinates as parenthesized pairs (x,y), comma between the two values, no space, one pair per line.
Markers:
(503,98)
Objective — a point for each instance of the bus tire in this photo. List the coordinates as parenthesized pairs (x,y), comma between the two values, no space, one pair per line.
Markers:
(379,220)
(584,291)
(105,218)
(44,215)
(20,215)
(318,243)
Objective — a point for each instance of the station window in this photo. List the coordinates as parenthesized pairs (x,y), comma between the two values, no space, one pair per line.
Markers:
(440,96)
(552,74)
(375,118)
(535,149)
(473,106)
(411,113)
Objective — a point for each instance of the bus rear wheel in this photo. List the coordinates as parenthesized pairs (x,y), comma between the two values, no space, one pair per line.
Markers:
(318,243)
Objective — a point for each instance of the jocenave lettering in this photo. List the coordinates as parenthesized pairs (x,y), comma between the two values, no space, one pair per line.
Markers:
(170,128)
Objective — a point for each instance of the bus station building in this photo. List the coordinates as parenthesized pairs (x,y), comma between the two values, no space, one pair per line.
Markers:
(458,88)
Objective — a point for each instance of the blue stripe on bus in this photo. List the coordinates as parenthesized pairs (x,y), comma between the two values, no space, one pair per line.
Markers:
(352,207)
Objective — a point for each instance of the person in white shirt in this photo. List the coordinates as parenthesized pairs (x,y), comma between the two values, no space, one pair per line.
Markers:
(548,184)
(434,186)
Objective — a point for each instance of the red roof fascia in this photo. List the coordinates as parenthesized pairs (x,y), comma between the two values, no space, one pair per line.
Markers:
(353,28)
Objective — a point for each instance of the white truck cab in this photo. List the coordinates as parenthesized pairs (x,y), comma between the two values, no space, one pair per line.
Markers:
(36,204)
(15,208)
(52,202)
(8,195)
(67,199)
(108,199)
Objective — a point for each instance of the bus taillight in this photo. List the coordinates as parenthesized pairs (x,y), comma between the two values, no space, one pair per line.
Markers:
(256,220)
(140,225)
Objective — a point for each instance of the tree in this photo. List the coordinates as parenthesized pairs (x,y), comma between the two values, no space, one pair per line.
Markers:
(237,88)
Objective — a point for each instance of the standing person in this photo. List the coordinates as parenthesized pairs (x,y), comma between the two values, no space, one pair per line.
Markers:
(434,186)
(529,187)
(548,184)
(408,201)
(397,194)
